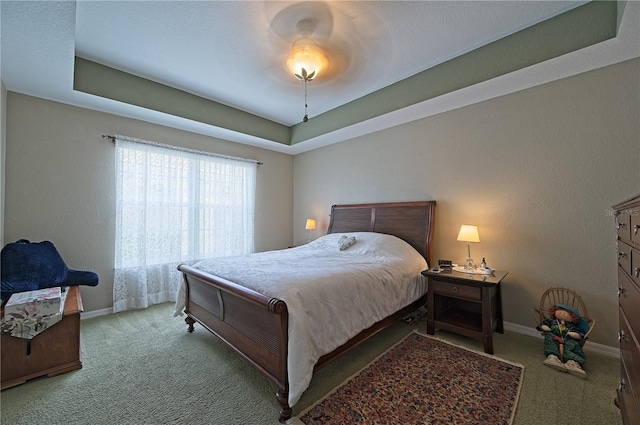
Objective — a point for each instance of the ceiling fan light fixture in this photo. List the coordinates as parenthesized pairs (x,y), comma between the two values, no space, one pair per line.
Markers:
(306,60)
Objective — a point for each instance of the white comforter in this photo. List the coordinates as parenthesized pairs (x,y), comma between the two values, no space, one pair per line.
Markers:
(331,295)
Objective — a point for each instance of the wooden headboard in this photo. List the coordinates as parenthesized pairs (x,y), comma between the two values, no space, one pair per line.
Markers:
(410,221)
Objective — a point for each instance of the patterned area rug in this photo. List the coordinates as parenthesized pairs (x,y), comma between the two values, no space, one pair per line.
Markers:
(424,380)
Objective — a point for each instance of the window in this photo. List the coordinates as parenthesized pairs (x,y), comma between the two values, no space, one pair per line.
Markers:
(174,206)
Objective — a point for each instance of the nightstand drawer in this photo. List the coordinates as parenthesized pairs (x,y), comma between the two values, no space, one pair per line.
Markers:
(456,290)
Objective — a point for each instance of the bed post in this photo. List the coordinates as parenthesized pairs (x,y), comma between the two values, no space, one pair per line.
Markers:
(189,320)
(283,399)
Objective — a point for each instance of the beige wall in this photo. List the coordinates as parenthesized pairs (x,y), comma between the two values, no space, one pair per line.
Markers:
(60,183)
(3,126)
(537,171)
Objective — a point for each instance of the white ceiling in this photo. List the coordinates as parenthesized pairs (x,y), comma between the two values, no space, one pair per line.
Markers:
(233,52)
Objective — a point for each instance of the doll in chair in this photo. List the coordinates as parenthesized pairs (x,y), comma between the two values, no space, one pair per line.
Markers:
(563,331)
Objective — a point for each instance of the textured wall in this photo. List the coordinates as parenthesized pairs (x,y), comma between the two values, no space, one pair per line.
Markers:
(537,171)
(3,126)
(60,183)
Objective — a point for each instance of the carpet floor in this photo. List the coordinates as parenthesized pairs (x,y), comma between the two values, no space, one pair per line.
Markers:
(142,367)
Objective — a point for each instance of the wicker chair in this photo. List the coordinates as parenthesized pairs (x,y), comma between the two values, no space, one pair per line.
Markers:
(559,295)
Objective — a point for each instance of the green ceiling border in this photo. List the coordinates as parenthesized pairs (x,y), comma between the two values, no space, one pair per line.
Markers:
(100,80)
(622,4)
(580,27)
(575,29)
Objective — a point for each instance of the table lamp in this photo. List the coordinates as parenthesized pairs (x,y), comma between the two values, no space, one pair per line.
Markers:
(310,225)
(468,234)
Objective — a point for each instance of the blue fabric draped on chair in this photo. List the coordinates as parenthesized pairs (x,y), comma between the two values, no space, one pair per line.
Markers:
(30,266)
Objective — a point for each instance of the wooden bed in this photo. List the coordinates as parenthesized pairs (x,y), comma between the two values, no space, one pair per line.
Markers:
(255,325)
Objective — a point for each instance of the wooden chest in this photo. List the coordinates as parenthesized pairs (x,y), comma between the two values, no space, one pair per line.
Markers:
(52,352)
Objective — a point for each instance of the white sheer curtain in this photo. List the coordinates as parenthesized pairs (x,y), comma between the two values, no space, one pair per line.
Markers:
(175,206)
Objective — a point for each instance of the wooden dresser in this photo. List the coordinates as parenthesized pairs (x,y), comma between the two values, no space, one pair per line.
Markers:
(627,216)
(54,351)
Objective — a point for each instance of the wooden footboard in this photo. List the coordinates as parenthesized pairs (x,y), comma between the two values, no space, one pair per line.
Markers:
(253,324)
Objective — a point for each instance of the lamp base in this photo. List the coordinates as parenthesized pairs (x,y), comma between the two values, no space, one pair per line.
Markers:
(468,264)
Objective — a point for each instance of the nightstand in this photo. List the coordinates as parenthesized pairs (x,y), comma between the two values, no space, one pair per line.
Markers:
(466,304)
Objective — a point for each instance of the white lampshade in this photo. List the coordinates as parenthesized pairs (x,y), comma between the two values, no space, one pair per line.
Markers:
(468,233)
(310,224)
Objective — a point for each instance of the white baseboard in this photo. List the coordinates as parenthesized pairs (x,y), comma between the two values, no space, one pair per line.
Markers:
(96,313)
(588,346)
